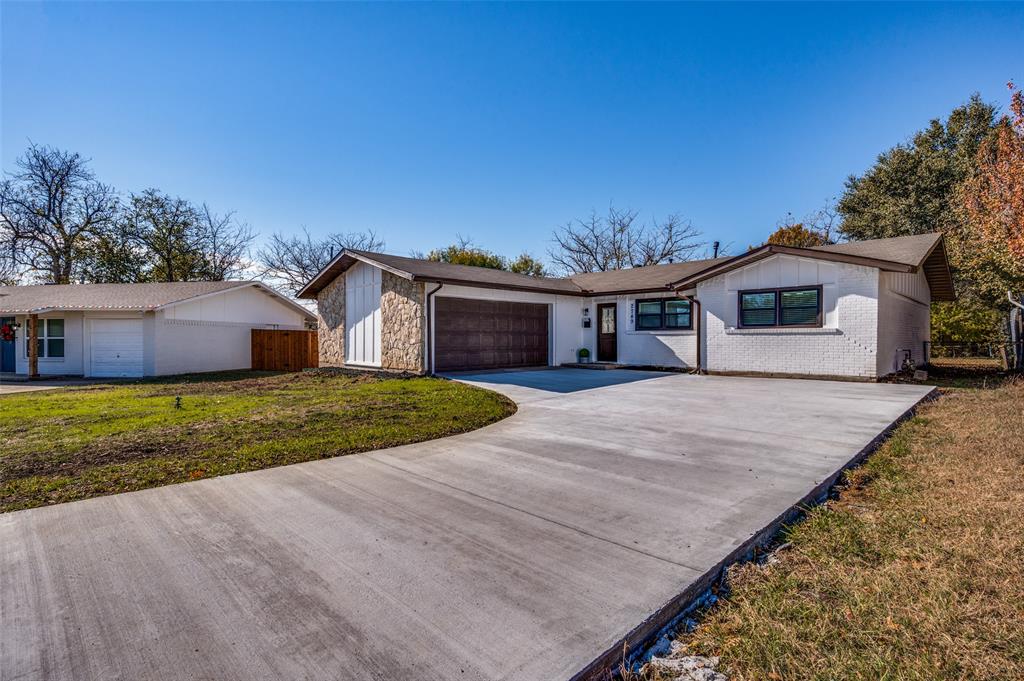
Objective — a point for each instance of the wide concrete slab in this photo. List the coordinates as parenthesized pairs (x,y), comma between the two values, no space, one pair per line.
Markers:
(519,551)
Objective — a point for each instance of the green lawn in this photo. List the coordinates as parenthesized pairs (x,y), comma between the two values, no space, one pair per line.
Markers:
(83,442)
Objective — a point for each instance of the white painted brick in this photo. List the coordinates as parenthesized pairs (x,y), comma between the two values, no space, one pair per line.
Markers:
(845,346)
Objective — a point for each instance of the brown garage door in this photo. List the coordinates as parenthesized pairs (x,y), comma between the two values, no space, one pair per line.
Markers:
(489,334)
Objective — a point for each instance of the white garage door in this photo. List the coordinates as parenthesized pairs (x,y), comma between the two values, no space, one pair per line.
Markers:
(116,348)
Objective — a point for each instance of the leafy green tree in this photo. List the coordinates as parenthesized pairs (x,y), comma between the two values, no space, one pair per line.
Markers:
(112,258)
(912,188)
(527,264)
(931,184)
(167,229)
(960,322)
(464,254)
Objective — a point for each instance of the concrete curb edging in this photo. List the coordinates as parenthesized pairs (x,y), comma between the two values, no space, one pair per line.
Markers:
(605,666)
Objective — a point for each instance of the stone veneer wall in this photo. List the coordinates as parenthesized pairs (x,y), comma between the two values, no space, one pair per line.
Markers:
(330,303)
(402,323)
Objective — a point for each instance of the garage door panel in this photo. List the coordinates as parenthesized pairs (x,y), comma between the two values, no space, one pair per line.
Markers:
(115,348)
(485,334)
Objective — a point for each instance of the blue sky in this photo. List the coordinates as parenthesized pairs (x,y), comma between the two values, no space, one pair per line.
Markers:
(498,122)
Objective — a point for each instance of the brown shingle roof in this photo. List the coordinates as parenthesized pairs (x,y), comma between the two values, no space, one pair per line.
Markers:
(900,254)
(908,250)
(921,252)
(655,277)
(648,278)
(429,270)
(106,296)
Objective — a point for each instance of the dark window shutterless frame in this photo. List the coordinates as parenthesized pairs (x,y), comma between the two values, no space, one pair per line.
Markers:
(791,307)
(664,314)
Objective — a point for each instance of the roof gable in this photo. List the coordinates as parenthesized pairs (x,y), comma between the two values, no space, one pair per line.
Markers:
(121,297)
(900,254)
(416,269)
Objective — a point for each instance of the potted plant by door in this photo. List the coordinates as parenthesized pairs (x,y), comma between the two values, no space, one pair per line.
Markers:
(583,355)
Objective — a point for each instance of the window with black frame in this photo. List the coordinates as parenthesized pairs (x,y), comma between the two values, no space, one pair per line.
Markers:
(663,314)
(780,307)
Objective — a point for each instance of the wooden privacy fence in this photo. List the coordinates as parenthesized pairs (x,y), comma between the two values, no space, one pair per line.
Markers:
(274,350)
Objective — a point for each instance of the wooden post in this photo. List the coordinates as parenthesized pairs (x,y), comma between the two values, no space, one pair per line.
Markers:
(33,346)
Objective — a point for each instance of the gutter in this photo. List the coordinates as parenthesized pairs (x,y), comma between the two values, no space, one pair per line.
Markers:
(695,317)
(428,354)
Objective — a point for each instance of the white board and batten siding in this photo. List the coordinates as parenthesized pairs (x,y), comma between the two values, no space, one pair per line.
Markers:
(362,315)
(903,319)
(116,348)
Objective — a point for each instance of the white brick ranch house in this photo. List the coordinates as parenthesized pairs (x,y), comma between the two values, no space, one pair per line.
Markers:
(857,310)
(132,330)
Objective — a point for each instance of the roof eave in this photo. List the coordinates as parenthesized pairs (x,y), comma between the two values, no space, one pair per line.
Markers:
(503,287)
(73,308)
(249,284)
(769,250)
(310,290)
(946,292)
(667,288)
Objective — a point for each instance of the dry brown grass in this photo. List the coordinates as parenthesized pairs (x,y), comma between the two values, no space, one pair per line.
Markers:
(916,571)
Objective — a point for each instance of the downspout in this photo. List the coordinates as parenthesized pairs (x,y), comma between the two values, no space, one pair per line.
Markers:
(695,316)
(428,367)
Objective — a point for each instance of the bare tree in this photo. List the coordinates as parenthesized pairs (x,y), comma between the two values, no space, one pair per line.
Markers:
(826,221)
(292,261)
(668,241)
(619,241)
(9,272)
(50,208)
(224,244)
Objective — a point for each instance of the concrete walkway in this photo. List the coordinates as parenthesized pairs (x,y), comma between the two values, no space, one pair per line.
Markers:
(11,384)
(519,551)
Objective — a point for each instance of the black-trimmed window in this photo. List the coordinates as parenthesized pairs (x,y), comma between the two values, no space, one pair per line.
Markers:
(795,306)
(664,313)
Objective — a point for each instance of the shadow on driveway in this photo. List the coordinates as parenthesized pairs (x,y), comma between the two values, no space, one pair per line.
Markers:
(557,380)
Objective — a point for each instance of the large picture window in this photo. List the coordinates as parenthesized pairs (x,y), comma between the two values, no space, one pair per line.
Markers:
(666,313)
(798,306)
(50,338)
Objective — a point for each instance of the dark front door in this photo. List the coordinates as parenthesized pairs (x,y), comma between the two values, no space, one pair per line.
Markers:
(607,323)
(489,334)
(6,348)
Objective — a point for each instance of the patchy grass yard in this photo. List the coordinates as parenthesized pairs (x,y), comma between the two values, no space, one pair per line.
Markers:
(915,571)
(83,442)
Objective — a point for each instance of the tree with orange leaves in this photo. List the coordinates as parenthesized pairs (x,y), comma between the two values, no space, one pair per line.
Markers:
(798,235)
(994,195)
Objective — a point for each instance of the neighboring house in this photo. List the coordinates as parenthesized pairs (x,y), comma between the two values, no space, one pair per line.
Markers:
(130,330)
(856,310)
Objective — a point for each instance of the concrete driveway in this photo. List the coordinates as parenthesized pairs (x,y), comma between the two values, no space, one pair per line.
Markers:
(520,551)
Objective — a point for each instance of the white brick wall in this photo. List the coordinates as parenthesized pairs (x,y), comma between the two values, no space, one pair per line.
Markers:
(845,346)
(652,348)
